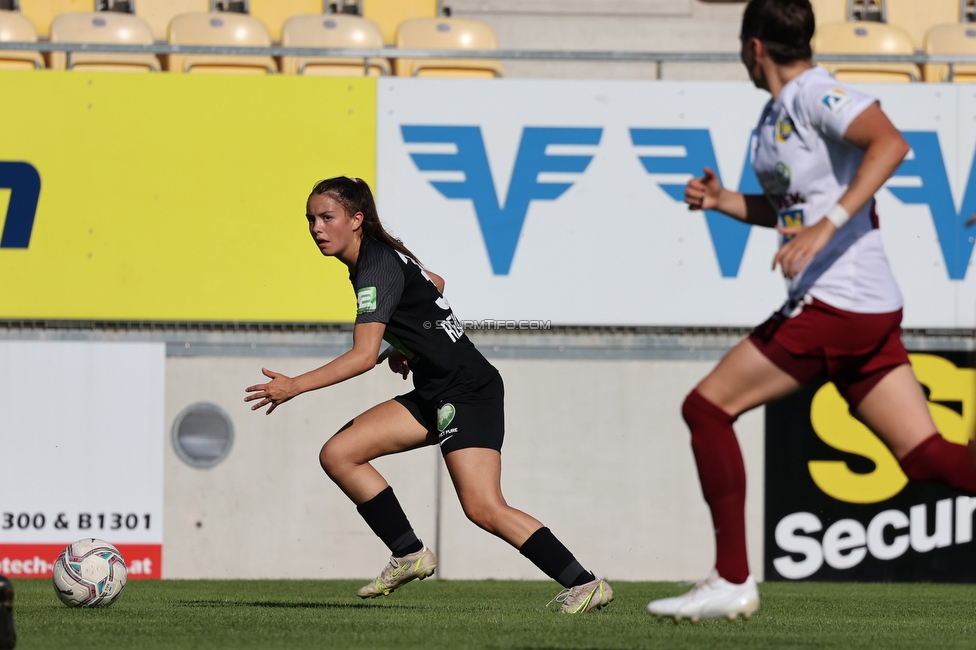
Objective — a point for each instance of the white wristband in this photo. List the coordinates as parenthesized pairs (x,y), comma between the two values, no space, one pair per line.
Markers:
(837,215)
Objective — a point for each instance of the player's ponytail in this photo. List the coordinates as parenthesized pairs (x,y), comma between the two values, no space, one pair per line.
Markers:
(354,195)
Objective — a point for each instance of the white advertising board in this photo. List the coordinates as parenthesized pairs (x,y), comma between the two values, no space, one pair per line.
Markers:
(82,440)
(561,201)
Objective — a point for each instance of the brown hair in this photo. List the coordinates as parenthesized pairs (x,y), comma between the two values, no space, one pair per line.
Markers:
(785,27)
(354,195)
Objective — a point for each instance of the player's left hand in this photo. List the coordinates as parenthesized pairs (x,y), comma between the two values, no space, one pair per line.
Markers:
(276,392)
(806,242)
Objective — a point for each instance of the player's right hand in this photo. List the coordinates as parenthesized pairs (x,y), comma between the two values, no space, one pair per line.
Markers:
(398,363)
(703,193)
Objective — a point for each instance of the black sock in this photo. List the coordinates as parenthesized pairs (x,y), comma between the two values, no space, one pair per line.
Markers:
(386,518)
(548,553)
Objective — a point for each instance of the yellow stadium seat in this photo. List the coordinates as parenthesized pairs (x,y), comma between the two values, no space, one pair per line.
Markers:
(951,39)
(274,13)
(18,29)
(228,29)
(158,13)
(865,38)
(102,27)
(830,11)
(332,30)
(447,34)
(916,17)
(390,14)
(42,12)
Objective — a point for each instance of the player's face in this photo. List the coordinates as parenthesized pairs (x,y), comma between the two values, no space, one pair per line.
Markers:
(332,229)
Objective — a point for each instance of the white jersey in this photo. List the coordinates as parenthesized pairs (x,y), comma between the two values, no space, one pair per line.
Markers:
(804,166)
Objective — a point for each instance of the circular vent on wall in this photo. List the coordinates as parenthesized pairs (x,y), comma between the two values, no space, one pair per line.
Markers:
(202,435)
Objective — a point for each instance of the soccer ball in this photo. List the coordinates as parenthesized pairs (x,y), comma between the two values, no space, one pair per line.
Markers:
(89,573)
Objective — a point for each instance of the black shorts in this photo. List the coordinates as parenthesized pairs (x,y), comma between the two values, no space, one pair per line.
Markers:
(472,420)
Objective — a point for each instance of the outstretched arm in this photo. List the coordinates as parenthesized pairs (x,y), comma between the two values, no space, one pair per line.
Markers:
(707,193)
(366,344)
(884,149)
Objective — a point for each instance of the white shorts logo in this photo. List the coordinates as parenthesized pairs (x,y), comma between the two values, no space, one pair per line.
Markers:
(836,101)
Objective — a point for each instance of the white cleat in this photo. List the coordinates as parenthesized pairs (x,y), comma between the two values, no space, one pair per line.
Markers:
(713,597)
(400,571)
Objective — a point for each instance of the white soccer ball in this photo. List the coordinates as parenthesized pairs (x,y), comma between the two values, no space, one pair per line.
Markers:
(89,573)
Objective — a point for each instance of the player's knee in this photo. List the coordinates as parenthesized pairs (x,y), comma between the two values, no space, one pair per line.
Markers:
(482,514)
(327,459)
(332,455)
(691,410)
(698,412)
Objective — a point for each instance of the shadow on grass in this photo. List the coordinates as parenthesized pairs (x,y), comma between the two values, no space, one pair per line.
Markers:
(286,605)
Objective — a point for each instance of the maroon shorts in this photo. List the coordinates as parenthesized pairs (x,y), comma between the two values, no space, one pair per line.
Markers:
(852,350)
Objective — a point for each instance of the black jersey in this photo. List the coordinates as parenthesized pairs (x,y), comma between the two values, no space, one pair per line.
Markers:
(391,288)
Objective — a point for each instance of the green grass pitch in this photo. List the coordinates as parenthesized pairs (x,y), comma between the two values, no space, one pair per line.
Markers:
(300,614)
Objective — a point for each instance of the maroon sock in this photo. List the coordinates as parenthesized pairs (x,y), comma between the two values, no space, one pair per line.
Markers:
(937,459)
(723,480)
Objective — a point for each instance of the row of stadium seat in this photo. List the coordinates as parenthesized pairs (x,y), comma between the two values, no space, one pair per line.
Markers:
(241,30)
(386,14)
(915,17)
(866,37)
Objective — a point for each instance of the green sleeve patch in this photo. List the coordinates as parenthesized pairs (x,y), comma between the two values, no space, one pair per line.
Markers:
(366,298)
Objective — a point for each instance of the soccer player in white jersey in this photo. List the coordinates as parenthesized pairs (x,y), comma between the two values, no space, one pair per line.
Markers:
(457,402)
(821,151)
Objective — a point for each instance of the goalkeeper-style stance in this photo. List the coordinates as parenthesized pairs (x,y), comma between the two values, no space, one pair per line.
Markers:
(457,401)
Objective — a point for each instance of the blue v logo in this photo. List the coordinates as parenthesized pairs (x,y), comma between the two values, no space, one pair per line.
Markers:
(501,224)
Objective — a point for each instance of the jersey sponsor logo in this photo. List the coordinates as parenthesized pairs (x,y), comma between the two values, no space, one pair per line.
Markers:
(791,219)
(445,415)
(366,300)
(501,222)
(24,183)
(784,129)
(836,101)
(443,304)
(777,181)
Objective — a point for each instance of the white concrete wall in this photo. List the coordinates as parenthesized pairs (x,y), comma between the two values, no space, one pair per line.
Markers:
(595,449)
(612,25)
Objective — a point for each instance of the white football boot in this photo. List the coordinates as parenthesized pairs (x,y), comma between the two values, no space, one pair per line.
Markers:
(713,597)
(584,598)
(400,571)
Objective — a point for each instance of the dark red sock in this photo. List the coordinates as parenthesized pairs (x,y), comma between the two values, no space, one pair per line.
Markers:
(937,459)
(723,480)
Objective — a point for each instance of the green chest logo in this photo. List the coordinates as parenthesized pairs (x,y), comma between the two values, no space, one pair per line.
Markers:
(444,416)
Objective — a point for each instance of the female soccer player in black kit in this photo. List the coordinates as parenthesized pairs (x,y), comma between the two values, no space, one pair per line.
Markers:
(457,401)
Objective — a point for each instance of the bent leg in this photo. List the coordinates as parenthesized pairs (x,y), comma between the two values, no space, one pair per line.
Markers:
(385,429)
(897,411)
(476,474)
(744,379)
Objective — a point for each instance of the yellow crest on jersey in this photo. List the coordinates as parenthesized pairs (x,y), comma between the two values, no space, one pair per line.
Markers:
(784,129)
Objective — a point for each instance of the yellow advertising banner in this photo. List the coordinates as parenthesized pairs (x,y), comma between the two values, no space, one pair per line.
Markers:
(174,197)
